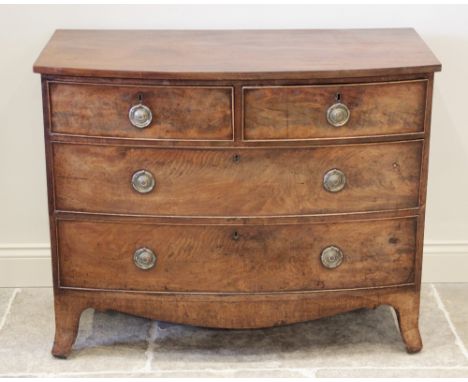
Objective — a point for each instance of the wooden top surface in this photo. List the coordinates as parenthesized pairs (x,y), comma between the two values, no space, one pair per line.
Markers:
(236,54)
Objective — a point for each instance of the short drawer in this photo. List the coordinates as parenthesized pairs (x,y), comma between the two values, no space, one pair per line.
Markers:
(223,258)
(236,182)
(333,111)
(142,112)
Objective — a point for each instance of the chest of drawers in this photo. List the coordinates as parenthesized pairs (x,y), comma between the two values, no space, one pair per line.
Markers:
(236,179)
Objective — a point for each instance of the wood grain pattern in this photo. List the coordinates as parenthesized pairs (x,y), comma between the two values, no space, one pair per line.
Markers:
(273,196)
(237,311)
(264,181)
(197,258)
(188,113)
(241,54)
(299,112)
(241,220)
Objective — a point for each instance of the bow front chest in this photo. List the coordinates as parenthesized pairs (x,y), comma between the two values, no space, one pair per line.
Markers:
(236,179)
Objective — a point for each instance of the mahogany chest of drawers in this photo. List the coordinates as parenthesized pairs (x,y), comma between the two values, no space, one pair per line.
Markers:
(236,179)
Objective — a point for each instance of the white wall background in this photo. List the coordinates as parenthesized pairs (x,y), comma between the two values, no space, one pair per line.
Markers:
(24,30)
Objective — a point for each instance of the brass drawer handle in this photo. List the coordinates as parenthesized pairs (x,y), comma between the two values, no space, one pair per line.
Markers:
(144,258)
(334,180)
(143,181)
(338,114)
(140,116)
(331,257)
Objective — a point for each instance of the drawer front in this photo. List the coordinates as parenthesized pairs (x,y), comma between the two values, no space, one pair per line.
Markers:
(179,113)
(250,258)
(300,112)
(244,182)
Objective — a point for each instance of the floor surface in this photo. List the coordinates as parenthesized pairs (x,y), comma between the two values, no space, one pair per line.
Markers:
(364,343)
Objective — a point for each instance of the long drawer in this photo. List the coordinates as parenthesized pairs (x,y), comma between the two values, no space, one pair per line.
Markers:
(227,258)
(142,112)
(334,111)
(236,182)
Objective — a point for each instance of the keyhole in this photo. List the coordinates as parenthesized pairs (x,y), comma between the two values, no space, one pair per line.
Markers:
(235,235)
(140,98)
(236,158)
(338,97)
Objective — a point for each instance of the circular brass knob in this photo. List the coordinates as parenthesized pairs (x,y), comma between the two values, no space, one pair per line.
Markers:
(144,258)
(331,257)
(334,180)
(143,181)
(140,116)
(338,114)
